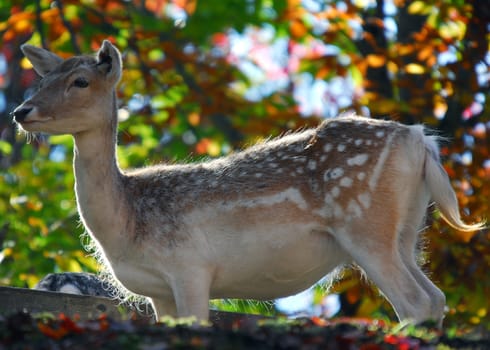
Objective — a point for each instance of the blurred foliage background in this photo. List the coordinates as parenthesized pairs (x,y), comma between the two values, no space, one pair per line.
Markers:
(203,78)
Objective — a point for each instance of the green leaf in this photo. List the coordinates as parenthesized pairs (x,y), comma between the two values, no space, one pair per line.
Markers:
(5,147)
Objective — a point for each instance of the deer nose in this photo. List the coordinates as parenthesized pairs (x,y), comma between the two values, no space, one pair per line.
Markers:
(20,113)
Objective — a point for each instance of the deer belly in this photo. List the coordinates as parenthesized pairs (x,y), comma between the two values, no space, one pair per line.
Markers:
(141,280)
(266,269)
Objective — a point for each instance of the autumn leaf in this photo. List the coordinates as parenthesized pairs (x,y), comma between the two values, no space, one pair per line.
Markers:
(376,61)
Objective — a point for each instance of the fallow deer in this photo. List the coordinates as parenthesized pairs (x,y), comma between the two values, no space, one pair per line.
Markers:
(262,223)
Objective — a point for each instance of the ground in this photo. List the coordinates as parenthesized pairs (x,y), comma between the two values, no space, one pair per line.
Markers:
(24,331)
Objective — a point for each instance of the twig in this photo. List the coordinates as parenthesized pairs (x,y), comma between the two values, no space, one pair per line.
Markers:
(39,24)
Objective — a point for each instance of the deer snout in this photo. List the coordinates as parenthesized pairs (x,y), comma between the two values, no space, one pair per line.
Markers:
(20,113)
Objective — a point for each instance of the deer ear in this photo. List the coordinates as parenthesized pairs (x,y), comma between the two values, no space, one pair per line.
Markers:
(109,61)
(43,61)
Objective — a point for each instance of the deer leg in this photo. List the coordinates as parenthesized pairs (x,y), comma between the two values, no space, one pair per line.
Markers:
(408,241)
(164,307)
(192,295)
(436,296)
(395,280)
(383,264)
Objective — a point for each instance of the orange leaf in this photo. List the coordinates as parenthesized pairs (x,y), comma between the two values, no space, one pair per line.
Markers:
(425,53)
(297,29)
(317,321)
(194,119)
(376,61)
(49,15)
(52,332)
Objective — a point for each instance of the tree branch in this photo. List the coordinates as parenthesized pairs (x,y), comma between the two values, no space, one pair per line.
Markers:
(68,26)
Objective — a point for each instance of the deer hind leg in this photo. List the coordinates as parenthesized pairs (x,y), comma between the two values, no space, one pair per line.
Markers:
(408,239)
(377,252)
(395,280)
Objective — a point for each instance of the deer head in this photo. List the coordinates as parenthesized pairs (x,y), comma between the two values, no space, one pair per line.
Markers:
(73,94)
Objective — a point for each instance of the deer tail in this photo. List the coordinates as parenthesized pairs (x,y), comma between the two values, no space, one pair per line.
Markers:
(441,191)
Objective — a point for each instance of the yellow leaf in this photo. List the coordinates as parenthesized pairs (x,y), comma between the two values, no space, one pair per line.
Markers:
(74,266)
(213,149)
(25,63)
(7,252)
(29,278)
(414,68)
(375,61)
(453,30)
(419,8)
(392,67)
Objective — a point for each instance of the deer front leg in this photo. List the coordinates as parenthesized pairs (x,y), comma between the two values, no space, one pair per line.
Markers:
(164,307)
(191,293)
(191,298)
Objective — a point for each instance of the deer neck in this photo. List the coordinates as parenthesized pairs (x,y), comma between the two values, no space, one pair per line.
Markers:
(98,183)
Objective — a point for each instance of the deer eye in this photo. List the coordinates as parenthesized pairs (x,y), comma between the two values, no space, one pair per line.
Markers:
(80,82)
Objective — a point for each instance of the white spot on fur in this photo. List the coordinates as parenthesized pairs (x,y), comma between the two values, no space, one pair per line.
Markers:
(360,159)
(328,147)
(337,211)
(258,175)
(365,200)
(328,198)
(380,134)
(354,208)
(299,170)
(341,148)
(346,182)
(335,192)
(378,169)
(332,174)
(323,158)
(312,165)
(292,195)
(361,176)
(358,142)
